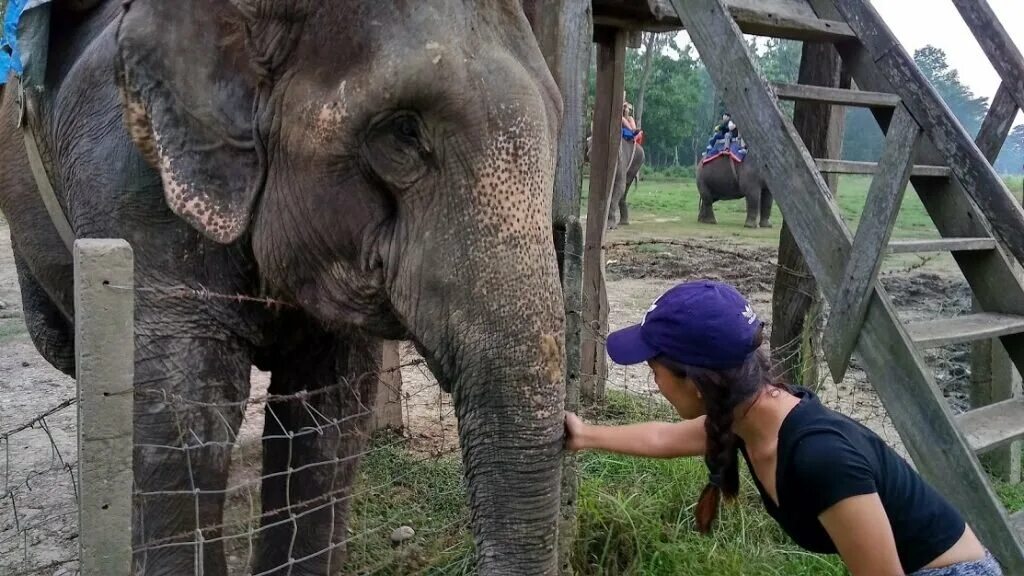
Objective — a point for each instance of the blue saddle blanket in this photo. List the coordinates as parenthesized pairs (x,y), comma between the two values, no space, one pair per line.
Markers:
(24,38)
(716,149)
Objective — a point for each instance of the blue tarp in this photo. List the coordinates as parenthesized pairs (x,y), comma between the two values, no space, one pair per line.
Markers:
(23,38)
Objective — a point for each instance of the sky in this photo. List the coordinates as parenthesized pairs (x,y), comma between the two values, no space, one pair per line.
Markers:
(946,30)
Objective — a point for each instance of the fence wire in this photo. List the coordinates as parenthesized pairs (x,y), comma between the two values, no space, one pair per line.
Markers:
(405,510)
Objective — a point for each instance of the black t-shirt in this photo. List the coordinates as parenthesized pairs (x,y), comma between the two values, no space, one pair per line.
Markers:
(825,457)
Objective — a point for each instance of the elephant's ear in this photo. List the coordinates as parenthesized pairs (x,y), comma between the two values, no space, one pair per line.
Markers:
(188,95)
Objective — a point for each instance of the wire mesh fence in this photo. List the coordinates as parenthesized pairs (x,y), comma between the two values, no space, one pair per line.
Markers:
(402,510)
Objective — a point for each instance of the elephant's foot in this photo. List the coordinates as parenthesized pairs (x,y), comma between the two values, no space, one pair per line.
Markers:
(624,222)
(706,220)
(750,224)
(766,223)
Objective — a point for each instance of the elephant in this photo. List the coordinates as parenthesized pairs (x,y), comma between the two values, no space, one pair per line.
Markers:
(725,179)
(631,160)
(300,181)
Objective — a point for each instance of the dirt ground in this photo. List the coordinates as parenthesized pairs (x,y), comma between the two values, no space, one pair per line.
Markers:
(38,525)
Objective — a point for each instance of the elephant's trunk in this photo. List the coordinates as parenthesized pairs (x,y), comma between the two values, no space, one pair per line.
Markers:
(511,431)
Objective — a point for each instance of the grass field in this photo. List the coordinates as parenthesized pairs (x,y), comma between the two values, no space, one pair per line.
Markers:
(635,515)
(668,207)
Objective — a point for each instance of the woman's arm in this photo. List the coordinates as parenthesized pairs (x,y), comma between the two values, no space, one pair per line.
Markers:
(863,536)
(651,439)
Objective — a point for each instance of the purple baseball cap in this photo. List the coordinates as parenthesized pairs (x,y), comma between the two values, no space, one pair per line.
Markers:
(701,323)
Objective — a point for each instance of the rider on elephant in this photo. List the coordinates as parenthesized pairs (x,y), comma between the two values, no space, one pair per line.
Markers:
(630,132)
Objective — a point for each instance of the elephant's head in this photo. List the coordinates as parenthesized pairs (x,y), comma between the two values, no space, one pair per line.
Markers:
(390,164)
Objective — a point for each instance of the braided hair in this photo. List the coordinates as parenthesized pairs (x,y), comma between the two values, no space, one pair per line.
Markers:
(723,391)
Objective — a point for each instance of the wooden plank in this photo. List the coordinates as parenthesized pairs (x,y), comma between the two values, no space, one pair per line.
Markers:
(941,245)
(557,24)
(1017,522)
(959,151)
(611,59)
(882,206)
(387,410)
(894,366)
(835,96)
(797,303)
(966,328)
(993,426)
(997,123)
(870,168)
(995,41)
(791,19)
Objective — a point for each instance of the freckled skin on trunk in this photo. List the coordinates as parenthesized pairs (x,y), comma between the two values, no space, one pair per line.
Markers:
(383,168)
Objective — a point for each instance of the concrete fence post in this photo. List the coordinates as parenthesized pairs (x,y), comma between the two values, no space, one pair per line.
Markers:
(105,366)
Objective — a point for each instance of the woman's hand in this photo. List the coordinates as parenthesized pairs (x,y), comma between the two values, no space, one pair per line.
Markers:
(574,432)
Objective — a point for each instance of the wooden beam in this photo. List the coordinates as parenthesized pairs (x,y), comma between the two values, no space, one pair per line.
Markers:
(885,197)
(960,152)
(941,245)
(835,96)
(995,41)
(611,59)
(797,303)
(894,366)
(965,328)
(997,123)
(871,168)
(790,19)
(564,30)
(387,410)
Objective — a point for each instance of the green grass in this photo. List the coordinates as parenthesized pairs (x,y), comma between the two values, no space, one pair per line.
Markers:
(635,515)
(665,207)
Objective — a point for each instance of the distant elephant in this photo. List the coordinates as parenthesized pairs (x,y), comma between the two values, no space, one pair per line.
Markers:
(631,159)
(300,180)
(725,179)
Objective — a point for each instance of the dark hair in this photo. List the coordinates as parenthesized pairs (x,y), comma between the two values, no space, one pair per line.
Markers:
(723,391)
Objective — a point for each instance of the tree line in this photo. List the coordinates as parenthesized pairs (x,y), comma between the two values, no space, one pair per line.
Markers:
(677,105)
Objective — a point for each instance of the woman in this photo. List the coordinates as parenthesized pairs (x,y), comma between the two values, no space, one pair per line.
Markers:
(832,484)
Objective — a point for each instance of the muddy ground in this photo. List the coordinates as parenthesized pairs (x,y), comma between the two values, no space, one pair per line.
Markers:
(38,526)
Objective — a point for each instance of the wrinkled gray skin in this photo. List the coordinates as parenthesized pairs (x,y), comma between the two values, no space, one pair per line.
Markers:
(631,159)
(382,167)
(724,179)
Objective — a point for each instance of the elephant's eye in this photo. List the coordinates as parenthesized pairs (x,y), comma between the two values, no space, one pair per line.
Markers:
(408,129)
(397,150)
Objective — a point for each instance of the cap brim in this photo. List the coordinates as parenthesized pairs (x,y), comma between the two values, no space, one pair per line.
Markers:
(627,347)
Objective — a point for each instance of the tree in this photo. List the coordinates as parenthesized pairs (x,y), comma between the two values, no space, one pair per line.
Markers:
(969,109)
(654,45)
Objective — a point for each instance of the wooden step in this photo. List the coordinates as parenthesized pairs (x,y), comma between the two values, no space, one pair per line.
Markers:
(1017,522)
(966,328)
(870,168)
(791,19)
(764,22)
(837,96)
(992,426)
(941,245)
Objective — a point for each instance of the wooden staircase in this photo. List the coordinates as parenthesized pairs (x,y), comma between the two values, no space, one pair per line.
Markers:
(980,222)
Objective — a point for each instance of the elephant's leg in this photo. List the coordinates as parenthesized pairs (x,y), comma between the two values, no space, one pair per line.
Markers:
(706,212)
(623,207)
(191,381)
(766,208)
(52,333)
(320,437)
(753,197)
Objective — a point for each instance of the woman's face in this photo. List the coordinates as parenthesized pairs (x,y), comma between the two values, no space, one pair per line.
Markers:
(682,393)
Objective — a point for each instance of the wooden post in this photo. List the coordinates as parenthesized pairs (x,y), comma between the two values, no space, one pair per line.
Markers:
(564,29)
(611,60)
(796,301)
(105,371)
(993,375)
(387,410)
